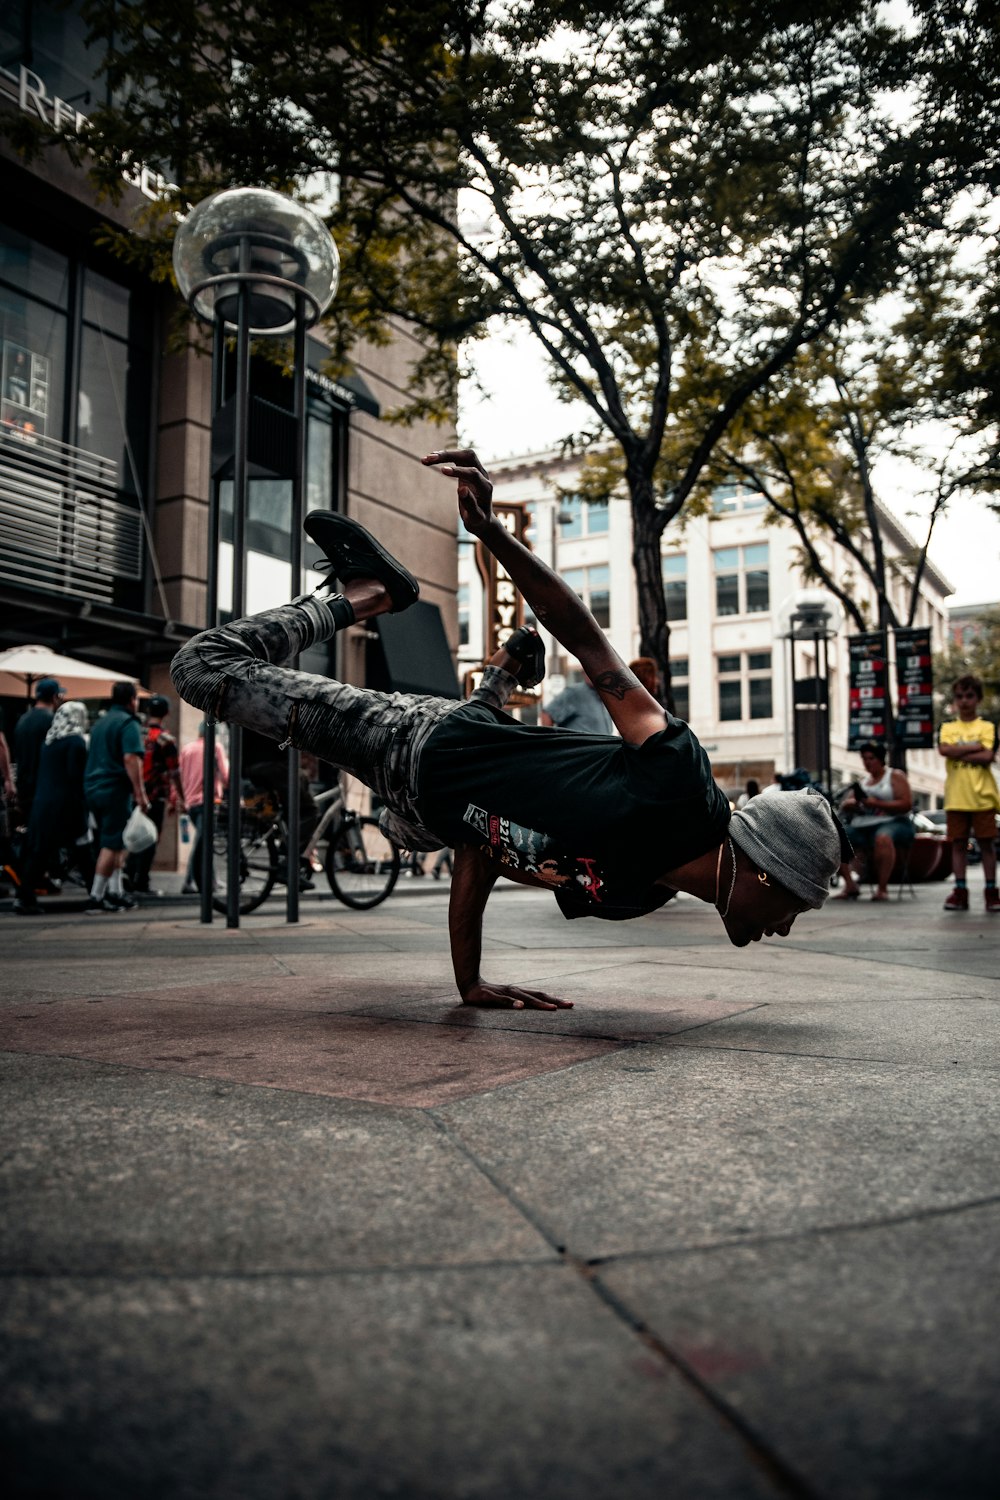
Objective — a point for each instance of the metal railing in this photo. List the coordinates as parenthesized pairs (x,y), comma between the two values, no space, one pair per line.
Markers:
(63,524)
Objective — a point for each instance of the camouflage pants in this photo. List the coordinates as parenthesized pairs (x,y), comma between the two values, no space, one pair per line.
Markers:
(235,673)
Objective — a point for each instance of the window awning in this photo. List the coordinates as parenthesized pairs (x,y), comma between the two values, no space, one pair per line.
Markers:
(349,390)
(415,648)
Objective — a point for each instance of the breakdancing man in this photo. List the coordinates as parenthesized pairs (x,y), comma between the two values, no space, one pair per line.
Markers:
(614,827)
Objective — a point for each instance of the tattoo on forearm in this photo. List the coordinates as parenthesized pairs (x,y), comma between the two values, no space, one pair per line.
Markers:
(615,684)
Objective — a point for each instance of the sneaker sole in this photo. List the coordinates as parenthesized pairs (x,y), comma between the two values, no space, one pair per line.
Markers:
(354,553)
(527,647)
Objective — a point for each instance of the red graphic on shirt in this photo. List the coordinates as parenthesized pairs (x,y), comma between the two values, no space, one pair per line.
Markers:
(591,881)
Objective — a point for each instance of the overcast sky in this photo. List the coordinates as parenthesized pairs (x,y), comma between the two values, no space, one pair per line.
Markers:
(519,414)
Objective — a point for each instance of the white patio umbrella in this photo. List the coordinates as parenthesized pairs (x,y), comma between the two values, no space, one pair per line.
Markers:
(22,666)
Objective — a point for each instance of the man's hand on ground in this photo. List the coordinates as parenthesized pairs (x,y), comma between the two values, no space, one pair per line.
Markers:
(512,997)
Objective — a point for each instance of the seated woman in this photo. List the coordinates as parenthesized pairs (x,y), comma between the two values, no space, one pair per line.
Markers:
(879,822)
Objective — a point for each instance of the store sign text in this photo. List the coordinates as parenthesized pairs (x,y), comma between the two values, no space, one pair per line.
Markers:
(34,98)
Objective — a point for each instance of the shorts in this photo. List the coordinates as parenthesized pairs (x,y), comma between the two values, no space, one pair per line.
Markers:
(111,809)
(962,821)
(900,830)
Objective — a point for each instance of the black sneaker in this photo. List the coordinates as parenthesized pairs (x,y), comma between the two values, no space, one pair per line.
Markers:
(527,647)
(354,553)
(121,902)
(27,908)
(97,904)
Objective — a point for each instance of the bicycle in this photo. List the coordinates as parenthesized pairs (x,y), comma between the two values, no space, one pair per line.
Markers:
(361,863)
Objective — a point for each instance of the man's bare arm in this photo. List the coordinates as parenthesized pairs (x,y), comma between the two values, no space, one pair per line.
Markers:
(635,712)
(473,878)
(133,766)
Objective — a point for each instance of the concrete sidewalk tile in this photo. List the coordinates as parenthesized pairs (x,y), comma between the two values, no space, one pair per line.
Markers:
(120,1172)
(125,977)
(946,1033)
(667,1147)
(442,1386)
(973,958)
(860,1356)
(316,1049)
(624,1005)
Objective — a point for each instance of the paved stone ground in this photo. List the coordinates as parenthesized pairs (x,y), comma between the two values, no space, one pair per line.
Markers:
(281,1221)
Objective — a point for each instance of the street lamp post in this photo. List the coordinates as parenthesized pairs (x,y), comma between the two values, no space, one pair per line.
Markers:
(811,615)
(258,265)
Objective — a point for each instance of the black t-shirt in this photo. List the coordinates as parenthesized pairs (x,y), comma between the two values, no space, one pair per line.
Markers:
(595,818)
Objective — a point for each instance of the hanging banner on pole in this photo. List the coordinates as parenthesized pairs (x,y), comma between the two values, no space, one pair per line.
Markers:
(868,690)
(915,688)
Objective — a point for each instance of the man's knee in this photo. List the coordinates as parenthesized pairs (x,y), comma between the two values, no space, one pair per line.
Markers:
(196,680)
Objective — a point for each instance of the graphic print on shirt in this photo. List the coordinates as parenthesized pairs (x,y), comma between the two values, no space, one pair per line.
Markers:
(527,849)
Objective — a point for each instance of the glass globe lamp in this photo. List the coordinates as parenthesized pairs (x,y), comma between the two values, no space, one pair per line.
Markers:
(280,250)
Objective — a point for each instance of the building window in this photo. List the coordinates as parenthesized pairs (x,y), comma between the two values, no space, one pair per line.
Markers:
(463,614)
(75,363)
(49,37)
(755,578)
(67,330)
(594,587)
(744,678)
(269,500)
(730,688)
(742,580)
(759,683)
(675,585)
(733,496)
(725,498)
(680,686)
(582,517)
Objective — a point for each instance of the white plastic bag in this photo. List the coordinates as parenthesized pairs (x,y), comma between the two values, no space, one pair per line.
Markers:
(139,832)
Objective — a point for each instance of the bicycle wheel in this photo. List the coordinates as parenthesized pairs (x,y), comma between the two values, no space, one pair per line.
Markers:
(362,865)
(258,868)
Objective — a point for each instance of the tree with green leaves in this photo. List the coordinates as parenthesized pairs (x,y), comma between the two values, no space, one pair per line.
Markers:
(677,199)
(900,381)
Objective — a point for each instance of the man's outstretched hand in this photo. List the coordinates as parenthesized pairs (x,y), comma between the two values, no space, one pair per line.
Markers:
(512,997)
(475,491)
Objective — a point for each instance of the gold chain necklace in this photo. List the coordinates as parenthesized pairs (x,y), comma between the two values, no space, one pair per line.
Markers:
(718,877)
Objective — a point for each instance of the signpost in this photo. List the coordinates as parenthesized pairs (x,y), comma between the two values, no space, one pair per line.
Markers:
(915,686)
(868,700)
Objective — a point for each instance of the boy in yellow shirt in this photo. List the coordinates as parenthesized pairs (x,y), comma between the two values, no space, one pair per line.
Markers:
(971,799)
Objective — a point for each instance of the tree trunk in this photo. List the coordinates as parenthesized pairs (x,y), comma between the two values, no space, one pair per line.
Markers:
(654,633)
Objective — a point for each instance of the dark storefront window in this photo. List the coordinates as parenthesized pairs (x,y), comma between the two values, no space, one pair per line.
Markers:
(269,500)
(49,37)
(75,362)
(34,298)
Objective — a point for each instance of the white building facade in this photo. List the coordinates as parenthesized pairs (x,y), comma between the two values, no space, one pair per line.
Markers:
(727,576)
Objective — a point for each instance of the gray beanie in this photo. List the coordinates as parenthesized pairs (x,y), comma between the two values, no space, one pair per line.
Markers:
(795,837)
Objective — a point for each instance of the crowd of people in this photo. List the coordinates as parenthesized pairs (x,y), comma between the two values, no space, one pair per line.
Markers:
(69,789)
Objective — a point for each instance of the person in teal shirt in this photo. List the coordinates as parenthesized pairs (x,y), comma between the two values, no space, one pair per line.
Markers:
(112,782)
